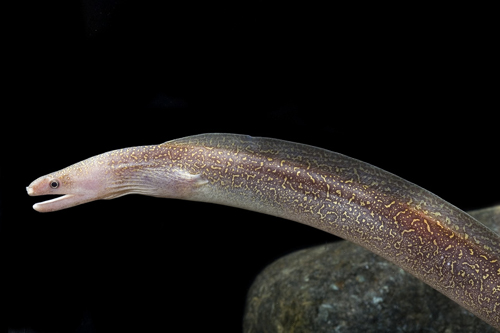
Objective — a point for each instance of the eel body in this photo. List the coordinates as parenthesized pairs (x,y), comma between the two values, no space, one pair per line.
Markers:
(402,222)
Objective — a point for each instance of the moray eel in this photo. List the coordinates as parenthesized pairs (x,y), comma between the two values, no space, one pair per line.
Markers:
(400,221)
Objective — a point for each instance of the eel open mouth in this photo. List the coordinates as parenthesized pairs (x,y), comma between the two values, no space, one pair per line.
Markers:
(61,202)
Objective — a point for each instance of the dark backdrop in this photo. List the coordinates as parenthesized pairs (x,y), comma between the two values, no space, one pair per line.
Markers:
(411,90)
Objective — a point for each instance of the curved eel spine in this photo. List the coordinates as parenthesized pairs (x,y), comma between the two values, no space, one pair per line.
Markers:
(402,222)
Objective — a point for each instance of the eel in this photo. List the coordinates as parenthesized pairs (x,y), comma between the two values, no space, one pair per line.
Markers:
(396,219)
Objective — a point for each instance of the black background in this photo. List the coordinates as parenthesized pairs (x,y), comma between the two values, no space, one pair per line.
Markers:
(411,90)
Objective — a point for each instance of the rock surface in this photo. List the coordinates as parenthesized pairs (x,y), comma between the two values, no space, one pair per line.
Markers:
(342,287)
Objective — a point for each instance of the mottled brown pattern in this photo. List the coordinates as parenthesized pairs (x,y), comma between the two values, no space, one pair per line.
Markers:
(394,218)
(402,222)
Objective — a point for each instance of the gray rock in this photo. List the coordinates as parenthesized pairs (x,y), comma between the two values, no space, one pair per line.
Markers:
(342,287)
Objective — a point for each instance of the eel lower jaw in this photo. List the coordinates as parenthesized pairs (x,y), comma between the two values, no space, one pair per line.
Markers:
(62,202)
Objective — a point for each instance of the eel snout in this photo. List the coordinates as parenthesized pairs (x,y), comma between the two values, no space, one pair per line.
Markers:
(48,186)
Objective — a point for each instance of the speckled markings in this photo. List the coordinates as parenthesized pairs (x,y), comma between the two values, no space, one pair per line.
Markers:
(408,225)
(404,223)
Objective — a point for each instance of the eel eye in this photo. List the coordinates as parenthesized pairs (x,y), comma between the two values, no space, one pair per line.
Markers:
(54,183)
